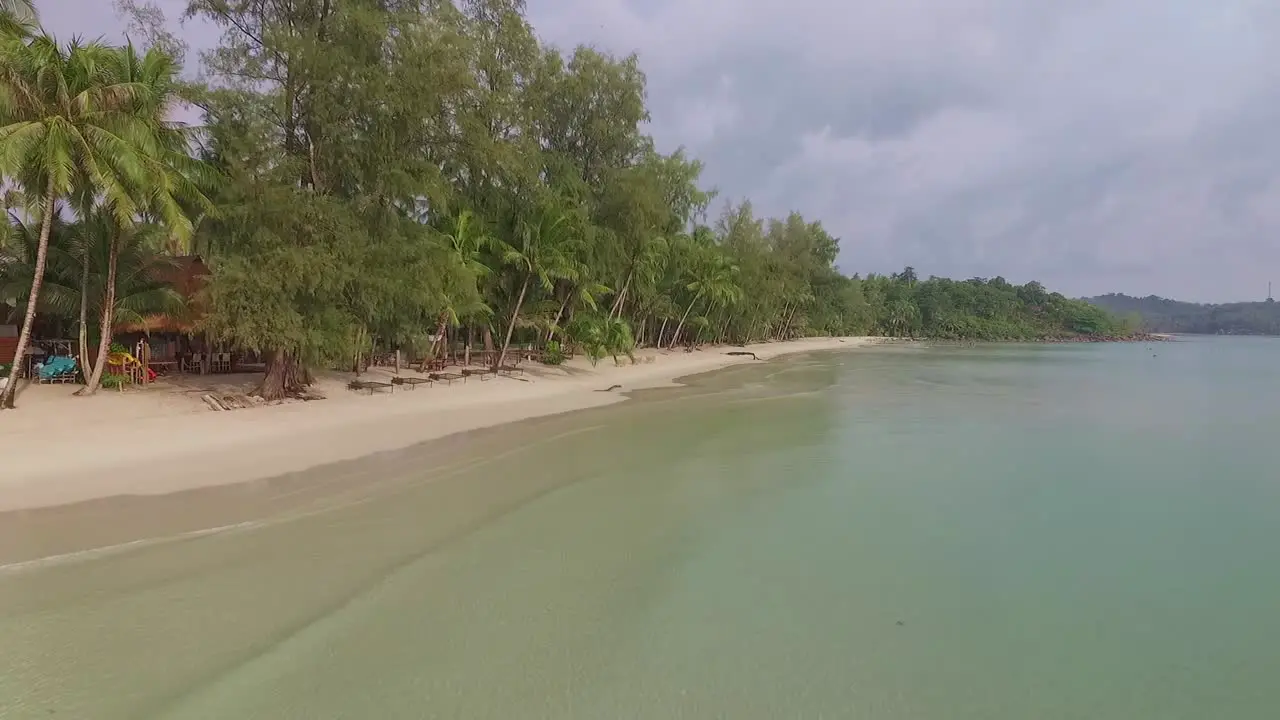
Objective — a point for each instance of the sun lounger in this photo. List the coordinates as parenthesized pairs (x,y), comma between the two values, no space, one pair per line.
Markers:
(482,373)
(60,369)
(412,382)
(510,370)
(447,378)
(369,385)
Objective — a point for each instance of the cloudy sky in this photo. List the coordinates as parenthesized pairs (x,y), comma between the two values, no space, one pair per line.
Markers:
(1094,145)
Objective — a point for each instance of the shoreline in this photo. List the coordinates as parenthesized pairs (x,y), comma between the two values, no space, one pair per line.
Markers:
(148,443)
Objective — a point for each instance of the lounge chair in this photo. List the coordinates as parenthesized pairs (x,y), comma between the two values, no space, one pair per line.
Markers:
(510,370)
(369,385)
(447,378)
(482,373)
(60,369)
(412,382)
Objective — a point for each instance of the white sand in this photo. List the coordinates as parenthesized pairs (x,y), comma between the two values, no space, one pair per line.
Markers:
(57,449)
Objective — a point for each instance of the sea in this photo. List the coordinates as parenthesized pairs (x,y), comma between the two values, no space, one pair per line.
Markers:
(994,532)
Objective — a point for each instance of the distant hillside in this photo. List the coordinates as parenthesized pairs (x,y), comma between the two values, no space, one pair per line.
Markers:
(1171,316)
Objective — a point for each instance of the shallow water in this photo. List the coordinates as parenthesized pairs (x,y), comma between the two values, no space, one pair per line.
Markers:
(992,532)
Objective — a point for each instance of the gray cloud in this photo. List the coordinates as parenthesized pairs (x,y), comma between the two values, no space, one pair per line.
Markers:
(1094,145)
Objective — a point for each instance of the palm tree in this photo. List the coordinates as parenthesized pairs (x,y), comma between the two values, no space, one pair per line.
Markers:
(542,255)
(65,121)
(714,277)
(94,248)
(17,17)
(125,261)
(466,237)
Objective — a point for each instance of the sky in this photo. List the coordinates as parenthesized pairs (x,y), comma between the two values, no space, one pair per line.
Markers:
(1093,145)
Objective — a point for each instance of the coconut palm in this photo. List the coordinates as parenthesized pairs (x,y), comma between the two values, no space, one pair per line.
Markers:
(128,270)
(125,275)
(17,17)
(543,254)
(712,277)
(466,237)
(65,120)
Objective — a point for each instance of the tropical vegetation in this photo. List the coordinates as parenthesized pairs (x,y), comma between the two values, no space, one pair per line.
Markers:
(370,175)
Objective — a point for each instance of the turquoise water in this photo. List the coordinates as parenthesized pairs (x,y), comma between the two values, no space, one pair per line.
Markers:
(991,532)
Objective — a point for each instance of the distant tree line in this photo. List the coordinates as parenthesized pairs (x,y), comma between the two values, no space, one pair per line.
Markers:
(980,309)
(1157,314)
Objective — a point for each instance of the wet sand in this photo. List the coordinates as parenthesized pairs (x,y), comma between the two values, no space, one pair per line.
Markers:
(163,605)
(58,450)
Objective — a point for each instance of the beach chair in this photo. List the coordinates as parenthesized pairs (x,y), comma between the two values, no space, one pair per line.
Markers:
(482,373)
(447,378)
(412,382)
(370,385)
(59,369)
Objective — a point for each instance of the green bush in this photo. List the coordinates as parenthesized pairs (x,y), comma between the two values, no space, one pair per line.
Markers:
(601,336)
(554,354)
(114,381)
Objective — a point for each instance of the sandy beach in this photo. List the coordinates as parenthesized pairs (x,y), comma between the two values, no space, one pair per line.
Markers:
(59,449)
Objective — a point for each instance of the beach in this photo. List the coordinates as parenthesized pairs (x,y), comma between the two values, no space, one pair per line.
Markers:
(58,449)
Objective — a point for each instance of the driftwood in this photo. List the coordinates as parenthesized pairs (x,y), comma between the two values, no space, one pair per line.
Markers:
(611,388)
(740,352)
(212,402)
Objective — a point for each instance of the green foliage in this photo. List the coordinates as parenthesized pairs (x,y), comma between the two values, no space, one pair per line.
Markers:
(554,354)
(114,381)
(599,336)
(902,305)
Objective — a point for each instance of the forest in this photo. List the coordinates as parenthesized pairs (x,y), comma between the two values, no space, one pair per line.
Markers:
(369,175)
(1156,314)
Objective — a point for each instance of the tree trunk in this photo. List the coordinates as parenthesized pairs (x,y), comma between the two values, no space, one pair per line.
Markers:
(782,319)
(104,337)
(24,337)
(284,377)
(622,294)
(440,329)
(725,328)
(786,328)
(661,331)
(511,326)
(551,331)
(86,369)
(683,318)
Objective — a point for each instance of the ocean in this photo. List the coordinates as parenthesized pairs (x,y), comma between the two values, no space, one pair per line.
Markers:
(991,532)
